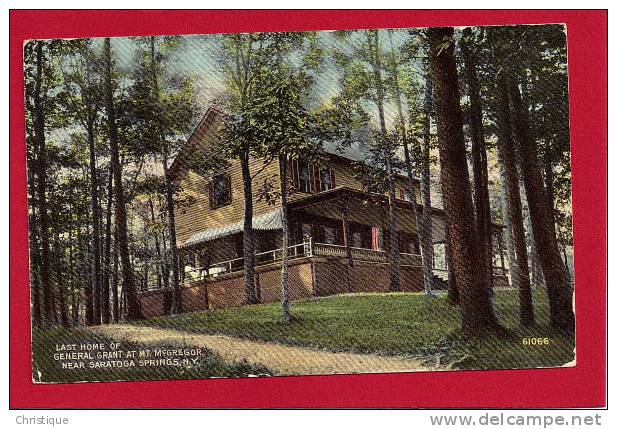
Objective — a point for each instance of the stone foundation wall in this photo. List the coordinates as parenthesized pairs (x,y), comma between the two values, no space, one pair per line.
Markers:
(227,290)
(310,277)
(155,303)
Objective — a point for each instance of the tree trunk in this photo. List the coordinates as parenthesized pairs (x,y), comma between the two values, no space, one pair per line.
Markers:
(115,298)
(424,239)
(93,297)
(60,284)
(549,179)
(105,309)
(394,257)
(39,132)
(35,254)
(71,274)
(505,210)
(479,161)
(165,266)
(537,279)
(453,293)
(176,304)
(286,240)
(555,276)
(75,308)
(248,233)
(476,308)
(128,282)
(426,224)
(157,246)
(520,279)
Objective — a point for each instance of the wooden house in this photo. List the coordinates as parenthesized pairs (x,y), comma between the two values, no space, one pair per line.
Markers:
(339,230)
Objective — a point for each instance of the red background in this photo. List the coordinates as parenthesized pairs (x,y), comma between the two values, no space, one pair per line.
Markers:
(582,386)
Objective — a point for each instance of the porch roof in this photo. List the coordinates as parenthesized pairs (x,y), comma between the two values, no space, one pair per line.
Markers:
(361,207)
(268,221)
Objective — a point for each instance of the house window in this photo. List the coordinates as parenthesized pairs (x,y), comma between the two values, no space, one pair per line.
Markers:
(326,179)
(356,239)
(408,243)
(304,183)
(220,191)
(329,234)
(406,195)
(309,178)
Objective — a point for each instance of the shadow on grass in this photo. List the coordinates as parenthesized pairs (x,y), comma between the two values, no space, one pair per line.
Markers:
(390,324)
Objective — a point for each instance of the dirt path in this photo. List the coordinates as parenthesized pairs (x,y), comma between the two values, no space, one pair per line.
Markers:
(279,358)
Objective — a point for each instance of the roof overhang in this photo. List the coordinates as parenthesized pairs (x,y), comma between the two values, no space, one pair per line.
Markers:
(266,222)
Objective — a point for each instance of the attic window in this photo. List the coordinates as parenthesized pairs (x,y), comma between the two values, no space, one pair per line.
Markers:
(220,191)
(305,177)
(326,179)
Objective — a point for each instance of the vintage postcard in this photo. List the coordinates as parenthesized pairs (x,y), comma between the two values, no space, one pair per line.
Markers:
(301,203)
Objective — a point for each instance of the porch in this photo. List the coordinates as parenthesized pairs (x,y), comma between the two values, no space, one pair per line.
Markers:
(340,241)
(304,250)
(315,269)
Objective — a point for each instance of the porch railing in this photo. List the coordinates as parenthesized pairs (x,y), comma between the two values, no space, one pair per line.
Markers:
(233,265)
(362,254)
(302,250)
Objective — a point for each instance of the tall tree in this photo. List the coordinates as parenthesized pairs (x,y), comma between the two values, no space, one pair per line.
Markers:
(479,158)
(82,94)
(555,275)
(39,100)
(109,310)
(174,112)
(520,276)
(424,234)
(133,305)
(284,127)
(363,81)
(241,63)
(425,184)
(477,314)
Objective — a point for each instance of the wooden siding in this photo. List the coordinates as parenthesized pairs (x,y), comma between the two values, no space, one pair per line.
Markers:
(199,216)
(195,187)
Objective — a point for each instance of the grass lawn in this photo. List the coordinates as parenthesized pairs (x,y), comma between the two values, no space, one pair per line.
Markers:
(390,324)
(47,370)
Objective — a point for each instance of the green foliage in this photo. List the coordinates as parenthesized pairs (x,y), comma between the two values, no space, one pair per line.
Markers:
(536,55)
(269,87)
(161,108)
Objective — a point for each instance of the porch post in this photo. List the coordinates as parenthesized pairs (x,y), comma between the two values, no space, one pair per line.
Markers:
(181,264)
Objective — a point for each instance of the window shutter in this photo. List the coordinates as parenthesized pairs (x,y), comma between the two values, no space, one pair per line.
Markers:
(228,188)
(376,240)
(332,179)
(295,173)
(211,193)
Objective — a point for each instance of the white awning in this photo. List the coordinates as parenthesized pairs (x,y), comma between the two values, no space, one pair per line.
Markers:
(268,221)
